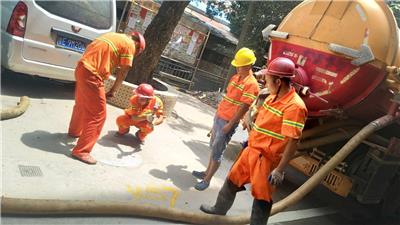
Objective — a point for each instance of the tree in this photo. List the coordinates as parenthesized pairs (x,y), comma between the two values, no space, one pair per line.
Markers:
(157,36)
(395,6)
(266,12)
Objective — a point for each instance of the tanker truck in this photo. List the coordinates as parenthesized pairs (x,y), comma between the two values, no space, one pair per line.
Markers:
(347,54)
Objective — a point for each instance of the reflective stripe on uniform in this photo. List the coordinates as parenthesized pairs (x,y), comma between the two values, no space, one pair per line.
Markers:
(126,56)
(240,87)
(115,50)
(249,96)
(293,124)
(272,110)
(268,132)
(231,100)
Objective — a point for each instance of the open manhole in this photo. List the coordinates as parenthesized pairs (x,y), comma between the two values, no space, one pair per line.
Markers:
(30,171)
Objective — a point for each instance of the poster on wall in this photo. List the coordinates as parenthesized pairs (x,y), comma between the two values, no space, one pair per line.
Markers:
(185,42)
(147,19)
(192,43)
(132,20)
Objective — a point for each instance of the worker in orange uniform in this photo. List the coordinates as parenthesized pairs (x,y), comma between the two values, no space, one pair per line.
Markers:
(145,112)
(240,94)
(109,53)
(272,143)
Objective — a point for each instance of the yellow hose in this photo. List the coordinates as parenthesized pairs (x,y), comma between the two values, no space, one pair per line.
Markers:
(82,207)
(15,111)
(16,206)
(316,179)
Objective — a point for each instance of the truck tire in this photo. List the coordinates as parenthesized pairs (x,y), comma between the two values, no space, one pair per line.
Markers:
(390,205)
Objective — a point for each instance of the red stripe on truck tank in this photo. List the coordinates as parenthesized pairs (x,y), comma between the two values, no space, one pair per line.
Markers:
(331,77)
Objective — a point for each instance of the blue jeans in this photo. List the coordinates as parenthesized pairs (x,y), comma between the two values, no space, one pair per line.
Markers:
(219,140)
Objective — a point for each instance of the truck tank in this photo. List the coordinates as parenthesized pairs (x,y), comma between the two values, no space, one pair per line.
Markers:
(348,56)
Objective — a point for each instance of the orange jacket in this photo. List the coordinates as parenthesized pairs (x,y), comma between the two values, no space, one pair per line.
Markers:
(238,92)
(154,107)
(276,122)
(107,52)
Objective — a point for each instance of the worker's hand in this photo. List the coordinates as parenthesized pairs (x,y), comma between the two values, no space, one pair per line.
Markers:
(110,94)
(158,121)
(150,118)
(276,177)
(227,128)
(245,125)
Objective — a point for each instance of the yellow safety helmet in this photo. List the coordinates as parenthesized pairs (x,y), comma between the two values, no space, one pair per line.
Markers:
(244,57)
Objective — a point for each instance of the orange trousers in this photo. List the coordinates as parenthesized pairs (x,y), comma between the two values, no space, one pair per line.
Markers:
(124,122)
(89,112)
(252,167)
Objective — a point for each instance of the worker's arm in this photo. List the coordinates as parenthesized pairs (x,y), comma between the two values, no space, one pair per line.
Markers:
(120,77)
(288,154)
(277,175)
(238,115)
(138,118)
(158,120)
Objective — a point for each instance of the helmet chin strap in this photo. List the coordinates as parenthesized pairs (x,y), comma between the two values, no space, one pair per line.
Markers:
(277,93)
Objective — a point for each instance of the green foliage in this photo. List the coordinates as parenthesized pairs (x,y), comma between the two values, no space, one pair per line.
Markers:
(267,12)
(395,6)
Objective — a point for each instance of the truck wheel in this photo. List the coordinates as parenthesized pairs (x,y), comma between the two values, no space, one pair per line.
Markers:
(390,205)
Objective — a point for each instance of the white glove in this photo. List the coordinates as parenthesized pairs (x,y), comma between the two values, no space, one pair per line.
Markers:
(276,177)
(150,118)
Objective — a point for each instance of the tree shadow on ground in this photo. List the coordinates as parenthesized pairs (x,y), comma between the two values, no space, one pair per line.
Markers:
(59,143)
(195,103)
(179,123)
(113,141)
(15,84)
(202,150)
(180,177)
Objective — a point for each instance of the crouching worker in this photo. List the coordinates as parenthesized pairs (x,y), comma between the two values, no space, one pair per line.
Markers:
(145,112)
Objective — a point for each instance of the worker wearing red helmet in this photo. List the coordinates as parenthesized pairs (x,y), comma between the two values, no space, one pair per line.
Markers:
(272,143)
(145,112)
(107,54)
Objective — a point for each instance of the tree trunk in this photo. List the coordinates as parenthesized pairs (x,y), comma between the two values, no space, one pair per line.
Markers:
(157,36)
(241,42)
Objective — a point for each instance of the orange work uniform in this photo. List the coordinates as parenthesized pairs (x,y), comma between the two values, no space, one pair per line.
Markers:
(276,122)
(154,107)
(101,57)
(238,92)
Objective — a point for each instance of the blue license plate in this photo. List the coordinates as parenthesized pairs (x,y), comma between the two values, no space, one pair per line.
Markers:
(70,44)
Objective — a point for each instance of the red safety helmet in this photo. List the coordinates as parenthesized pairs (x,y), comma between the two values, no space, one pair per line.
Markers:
(280,67)
(138,37)
(144,91)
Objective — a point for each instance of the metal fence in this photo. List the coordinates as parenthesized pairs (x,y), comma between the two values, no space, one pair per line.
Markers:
(182,75)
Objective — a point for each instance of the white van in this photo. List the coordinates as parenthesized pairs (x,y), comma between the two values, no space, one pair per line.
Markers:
(47,38)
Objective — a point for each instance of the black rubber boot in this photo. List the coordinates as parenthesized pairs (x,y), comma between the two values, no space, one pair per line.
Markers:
(225,199)
(260,212)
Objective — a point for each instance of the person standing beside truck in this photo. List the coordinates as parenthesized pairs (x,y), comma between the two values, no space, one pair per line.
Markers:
(272,143)
(109,53)
(240,94)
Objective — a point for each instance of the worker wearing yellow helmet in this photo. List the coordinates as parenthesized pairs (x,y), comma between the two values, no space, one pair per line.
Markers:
(241,91)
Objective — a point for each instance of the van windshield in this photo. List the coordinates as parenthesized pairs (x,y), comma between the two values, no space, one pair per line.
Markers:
(96,14)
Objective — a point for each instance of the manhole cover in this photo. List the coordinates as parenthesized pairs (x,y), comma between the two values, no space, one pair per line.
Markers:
(30,171)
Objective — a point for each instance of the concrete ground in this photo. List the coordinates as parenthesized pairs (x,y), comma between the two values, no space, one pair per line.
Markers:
(36,163)
(157,173)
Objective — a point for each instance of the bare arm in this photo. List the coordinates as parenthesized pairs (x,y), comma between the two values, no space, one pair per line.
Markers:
(238,115)
(159,120)
(290,150)
(120,77)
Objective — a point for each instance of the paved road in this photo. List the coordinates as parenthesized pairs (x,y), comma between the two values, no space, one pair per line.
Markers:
(38,138)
